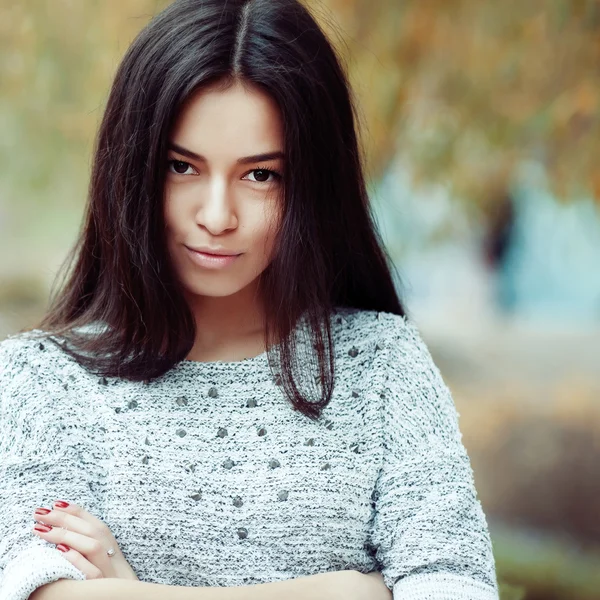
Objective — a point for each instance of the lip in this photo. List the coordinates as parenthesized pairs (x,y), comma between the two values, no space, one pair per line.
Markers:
(211,261)
(214,251)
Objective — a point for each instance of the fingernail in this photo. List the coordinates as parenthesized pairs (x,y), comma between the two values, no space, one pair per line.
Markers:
(43,528)
(63,548)
(61,504)
(42,511)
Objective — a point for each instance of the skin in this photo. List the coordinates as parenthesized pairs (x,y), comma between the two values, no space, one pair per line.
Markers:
(85,539)
(218,202)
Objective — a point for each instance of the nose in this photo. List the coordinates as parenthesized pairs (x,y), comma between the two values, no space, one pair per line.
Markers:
(216,208)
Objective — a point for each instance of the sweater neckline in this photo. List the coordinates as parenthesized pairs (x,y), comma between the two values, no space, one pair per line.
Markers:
(252,362)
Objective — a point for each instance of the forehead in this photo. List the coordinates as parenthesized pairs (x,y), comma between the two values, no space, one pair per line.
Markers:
(238,121)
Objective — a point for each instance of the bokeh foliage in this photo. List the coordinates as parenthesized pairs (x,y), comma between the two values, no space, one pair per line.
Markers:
(465,90)
(462,89)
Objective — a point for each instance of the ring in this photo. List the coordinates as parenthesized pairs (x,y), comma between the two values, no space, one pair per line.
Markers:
(110,552)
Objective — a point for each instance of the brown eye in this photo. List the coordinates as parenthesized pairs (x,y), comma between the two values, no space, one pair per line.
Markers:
(179,166)
(261,175)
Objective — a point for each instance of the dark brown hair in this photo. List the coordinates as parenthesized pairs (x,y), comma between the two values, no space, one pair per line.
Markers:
(328,252)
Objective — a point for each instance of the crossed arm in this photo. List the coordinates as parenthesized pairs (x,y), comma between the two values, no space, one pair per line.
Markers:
(333,585)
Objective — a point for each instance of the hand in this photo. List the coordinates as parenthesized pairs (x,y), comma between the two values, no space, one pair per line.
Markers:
(86,539)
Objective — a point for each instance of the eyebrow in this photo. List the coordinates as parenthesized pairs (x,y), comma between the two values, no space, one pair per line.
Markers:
(242,161)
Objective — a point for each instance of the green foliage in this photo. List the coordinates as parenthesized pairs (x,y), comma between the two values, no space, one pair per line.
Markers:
(545,565)
(511,592)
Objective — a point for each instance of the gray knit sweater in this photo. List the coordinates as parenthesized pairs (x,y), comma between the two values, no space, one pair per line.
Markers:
(206,476)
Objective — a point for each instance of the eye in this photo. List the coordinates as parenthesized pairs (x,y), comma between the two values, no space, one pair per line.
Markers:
(179,167)
(261,175)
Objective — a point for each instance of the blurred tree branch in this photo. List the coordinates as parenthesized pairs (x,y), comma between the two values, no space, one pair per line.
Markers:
(462,90)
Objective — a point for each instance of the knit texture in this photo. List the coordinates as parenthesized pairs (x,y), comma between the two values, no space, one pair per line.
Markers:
(206,476)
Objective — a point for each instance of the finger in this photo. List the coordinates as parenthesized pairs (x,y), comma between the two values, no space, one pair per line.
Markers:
(92,549)
(57,518)
(80,562)
(77,510)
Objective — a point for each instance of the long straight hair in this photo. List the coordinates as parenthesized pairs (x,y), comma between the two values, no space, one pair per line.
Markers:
(328,252)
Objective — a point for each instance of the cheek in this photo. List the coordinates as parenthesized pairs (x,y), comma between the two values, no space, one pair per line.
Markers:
(167,209)
(267,230)
(176,217)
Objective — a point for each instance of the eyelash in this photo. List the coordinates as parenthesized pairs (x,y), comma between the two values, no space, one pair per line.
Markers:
(276,174)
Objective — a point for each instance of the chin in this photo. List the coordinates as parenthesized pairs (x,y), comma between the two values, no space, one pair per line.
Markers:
(214,289)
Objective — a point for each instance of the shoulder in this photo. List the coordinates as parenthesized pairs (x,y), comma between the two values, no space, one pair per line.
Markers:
(389,331)
(387,344)
(37,350)
(416,402)
(30,363)
(400,356)
(19,350)
(41,393)
(356,334)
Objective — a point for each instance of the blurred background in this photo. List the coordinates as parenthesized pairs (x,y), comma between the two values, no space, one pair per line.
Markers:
(480,124)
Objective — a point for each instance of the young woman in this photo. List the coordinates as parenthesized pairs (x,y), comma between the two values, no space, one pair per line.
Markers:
(226,399)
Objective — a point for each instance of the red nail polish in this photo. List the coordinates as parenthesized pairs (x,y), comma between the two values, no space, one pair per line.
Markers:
(63,548)
(43,528)
(61,504)
(42,511)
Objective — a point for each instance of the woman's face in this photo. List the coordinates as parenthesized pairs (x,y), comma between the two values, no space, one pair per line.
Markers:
(218,193)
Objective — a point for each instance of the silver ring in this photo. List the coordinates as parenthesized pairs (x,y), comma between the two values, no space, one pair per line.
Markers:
(110,552)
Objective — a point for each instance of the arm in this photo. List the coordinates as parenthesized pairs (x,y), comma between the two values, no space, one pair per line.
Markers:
(44,455)
(429,528)
(332,585)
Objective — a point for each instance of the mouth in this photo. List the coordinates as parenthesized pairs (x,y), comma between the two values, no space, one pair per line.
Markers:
(211,261)
(213,251)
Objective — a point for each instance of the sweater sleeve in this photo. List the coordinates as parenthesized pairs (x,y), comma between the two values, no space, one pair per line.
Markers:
(430,532)
(44,456)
